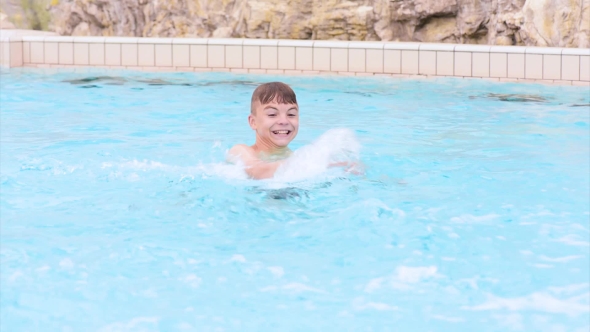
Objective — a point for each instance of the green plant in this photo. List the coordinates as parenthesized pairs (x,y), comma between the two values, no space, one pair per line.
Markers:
(37,13)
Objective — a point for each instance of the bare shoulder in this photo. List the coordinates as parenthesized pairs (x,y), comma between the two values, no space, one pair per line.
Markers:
(240,152)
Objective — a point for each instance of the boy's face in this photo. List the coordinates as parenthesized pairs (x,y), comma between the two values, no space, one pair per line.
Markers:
(276,125)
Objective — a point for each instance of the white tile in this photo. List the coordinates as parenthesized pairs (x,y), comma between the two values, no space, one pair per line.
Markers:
(81,54)
(216,56)
(295,43)
(164,54)
(508,49)
(37,52)
(339,59)
(129,54)
(445,63)
(392,60)
(32,38)
(472,48)
(146,55)
(357,60)
(226,41)
(189,41)
(402,46)
(463,63)
(374,61)
(26,52)
(260,42)
(481,64)
(113,54)
(16,53)
(515,65)
(198,55)
(331,44)
(51,53)
(498,65)
(410,62)
(66,53)
(570,67)
(427,64)
(181,55)
(88,40)
(534,66)
(543,50)
(576,51)
(321,59)
(437,47)
(59,39)
(152,40)
(366,45)
(584,68)
(4,53)
(251,57)
(303,58)
(286,57)
(96,54)
(268,57)
(122,40)
(551,67)
(233,56)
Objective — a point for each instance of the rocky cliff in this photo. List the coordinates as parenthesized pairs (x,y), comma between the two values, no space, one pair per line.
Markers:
(563,23)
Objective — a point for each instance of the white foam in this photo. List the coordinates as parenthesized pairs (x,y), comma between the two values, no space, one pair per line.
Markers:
(412,275)
(192,280)
(560,259)
(293,287)
(471,219)
(238,258)
(542,302)
(569,289)
(404,278)
(448,318)
(276,271)
(377,306)
(133,324)
(308,162)
(66,263)
(219,170)
(335,145)
(572,241)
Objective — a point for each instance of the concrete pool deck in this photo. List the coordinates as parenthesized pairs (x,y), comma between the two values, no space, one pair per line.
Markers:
(568,66)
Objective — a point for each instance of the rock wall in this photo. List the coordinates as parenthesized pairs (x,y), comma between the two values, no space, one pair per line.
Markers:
(563,23)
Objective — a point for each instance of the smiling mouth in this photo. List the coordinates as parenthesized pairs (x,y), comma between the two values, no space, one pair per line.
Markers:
(281,132)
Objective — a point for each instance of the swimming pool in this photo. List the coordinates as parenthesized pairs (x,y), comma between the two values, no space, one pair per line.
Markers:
(118,213)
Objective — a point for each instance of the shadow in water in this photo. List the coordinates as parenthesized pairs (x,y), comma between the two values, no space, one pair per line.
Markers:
(513,97)
(93,81)
(287,194)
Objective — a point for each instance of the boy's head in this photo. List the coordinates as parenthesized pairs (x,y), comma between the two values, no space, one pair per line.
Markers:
(278,92)
(274,114)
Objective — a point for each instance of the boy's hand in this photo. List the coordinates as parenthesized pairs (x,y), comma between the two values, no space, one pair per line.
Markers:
(356,168)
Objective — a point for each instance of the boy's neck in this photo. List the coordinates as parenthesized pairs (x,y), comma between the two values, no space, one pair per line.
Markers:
(271,153)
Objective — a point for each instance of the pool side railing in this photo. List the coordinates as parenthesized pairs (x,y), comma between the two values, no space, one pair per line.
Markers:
(570,66)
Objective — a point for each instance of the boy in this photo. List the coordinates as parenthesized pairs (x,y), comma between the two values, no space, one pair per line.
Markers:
(274,116)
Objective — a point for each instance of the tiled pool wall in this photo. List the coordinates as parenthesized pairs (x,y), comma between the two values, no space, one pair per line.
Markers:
(398,59)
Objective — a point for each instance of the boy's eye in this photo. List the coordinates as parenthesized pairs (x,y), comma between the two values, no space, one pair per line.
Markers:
(271,115)
(291,115)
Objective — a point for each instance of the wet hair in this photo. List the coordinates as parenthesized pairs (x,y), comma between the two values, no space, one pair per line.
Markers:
(273,91)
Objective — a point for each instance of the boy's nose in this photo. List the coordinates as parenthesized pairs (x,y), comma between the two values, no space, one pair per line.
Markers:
(283,119)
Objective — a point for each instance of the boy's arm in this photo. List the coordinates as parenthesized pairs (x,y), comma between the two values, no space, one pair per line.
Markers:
(254,167)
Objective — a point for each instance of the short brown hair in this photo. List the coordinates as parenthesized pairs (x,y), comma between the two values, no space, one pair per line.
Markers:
(273,91)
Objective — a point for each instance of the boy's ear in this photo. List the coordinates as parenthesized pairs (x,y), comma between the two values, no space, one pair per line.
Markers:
(252,121)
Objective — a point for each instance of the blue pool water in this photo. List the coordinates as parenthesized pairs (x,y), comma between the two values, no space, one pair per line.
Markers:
(119,214)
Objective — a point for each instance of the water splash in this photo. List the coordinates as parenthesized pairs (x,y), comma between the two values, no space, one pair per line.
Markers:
(334,146)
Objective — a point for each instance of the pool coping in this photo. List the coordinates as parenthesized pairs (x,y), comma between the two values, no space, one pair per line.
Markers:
(569,66)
